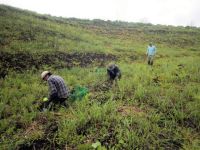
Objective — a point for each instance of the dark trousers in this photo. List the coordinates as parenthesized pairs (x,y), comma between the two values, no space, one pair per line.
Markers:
(150,59)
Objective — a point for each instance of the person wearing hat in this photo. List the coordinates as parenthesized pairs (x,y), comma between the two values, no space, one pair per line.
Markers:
(151,51)
(58,91)
(113,72)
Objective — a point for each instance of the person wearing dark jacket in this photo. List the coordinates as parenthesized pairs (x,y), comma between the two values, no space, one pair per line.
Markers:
(113,72)
(58,91)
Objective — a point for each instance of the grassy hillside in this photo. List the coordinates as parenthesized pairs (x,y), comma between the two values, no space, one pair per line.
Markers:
(153,107)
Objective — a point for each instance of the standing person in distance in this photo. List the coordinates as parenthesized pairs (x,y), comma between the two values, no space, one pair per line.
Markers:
(151,51)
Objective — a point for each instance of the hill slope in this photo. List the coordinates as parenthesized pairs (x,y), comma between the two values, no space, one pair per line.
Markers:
(28,31)
(25,32)
(150,108)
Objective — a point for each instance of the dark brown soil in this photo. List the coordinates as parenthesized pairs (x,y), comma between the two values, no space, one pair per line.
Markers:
(47,141)
(168,142)
(24,61)
(190,123)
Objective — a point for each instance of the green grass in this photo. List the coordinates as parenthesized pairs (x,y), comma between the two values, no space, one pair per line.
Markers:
(152,108)
(169,103)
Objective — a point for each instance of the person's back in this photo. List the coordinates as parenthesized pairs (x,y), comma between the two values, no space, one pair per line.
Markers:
(113,72)
(151,50)
(57,85)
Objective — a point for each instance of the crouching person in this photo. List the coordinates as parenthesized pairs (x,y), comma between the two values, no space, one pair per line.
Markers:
(58,91)
(113,73)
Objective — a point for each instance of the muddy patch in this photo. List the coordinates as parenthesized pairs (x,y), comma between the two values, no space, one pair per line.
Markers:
(168,142)
(130,110)
(24,61)
(190,123)
(48,129)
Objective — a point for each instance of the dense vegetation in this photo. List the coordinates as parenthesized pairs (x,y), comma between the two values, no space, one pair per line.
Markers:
(151,108)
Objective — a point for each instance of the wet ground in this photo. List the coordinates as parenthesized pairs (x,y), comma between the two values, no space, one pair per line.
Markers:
(25,61)
(48,128)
